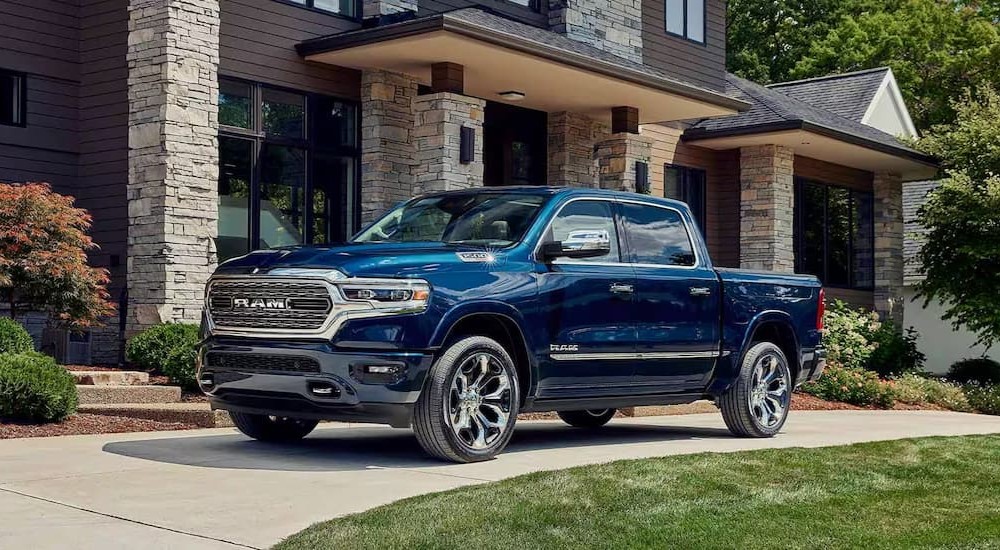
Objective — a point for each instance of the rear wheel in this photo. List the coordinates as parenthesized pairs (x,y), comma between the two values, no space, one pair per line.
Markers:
(757,403)
(592,418)
(278,429)
(467,410)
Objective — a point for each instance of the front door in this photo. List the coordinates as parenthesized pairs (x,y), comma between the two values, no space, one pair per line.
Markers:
(514,145)
(588,305)
(676,303)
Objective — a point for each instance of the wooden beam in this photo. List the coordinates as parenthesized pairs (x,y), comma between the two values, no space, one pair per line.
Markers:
(624,120)
(448,77)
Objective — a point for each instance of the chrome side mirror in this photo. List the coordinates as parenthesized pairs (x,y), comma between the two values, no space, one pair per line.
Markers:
(580,243)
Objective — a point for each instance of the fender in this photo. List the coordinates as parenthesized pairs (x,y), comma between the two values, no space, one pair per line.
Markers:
(728,368)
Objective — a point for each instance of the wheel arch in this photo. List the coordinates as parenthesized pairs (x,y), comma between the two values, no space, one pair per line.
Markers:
(775,327)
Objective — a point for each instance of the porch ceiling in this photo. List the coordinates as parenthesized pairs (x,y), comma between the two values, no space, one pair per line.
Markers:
(501,55)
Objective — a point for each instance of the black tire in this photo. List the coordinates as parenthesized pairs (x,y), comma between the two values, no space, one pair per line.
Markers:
(273,429)
(433,413)
(593,418)
(738,409)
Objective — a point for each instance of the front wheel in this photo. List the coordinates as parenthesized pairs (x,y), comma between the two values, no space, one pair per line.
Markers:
(757,403)
(277,429)
(468,407)
(592,418)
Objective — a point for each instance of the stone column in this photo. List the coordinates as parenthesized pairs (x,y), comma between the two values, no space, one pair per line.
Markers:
(437,140)
(571,142)
(767,208)
(888,191)
(616,156)
(173,56)
(614,26)
(386,141)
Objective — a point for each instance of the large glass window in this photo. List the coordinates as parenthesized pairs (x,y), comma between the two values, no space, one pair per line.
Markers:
(686,185)
(685,18)
(586,216)
(834,234)
(287,168)
(12,100)
(656,236)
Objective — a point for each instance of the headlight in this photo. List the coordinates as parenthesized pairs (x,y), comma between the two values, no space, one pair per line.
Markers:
(387,294)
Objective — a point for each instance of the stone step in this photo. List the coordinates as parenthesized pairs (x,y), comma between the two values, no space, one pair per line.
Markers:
(698,407)
(110,395)
(199,414)
(110,377)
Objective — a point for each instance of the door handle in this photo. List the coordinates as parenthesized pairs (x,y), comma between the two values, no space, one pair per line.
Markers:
(700,291)
(619,288)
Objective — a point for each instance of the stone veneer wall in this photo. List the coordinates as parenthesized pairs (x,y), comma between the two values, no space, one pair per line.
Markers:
(888,192)
(436,137)
(614,26)
(571,142)
(767,194)
(616,156)
(387,152)
(173,57)
(374,8)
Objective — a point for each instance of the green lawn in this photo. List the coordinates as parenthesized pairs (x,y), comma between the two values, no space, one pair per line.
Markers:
(924,493)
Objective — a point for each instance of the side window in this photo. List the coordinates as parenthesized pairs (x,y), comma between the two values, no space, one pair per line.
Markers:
(656,236)
(586,215)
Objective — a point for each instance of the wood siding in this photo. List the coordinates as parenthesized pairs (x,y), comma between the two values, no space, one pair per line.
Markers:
(722,188)
(701,64)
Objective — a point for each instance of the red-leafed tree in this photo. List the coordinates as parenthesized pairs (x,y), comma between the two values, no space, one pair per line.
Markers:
(43,257)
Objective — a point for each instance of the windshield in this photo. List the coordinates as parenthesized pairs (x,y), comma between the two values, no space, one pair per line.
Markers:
(488,219)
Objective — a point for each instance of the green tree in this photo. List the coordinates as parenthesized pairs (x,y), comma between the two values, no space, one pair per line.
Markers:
(961,256)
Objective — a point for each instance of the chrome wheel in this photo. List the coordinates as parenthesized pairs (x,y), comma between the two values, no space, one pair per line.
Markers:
(597,413)
(479,403)
(769,393)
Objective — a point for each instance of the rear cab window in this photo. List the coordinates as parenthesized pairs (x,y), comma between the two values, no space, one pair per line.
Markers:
(657,236)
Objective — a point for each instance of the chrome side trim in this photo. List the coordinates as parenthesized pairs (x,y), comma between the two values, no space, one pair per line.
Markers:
(627,356)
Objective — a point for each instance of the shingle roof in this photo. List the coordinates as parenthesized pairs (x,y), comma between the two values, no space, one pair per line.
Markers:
(848,95)
(914,196)
(772,110)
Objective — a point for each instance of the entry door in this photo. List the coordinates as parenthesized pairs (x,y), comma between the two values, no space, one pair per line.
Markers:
(677,301)
(515,141)
(588,306)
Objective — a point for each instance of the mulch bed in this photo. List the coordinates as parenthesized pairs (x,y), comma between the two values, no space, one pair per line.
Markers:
(80,424)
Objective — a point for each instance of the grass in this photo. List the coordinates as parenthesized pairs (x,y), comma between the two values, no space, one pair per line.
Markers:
(922,493)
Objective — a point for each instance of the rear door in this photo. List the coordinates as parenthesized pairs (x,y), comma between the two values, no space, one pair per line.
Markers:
(677,299)
(588,305)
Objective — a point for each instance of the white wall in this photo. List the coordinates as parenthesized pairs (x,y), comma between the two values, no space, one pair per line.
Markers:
(887,117)
(938,341)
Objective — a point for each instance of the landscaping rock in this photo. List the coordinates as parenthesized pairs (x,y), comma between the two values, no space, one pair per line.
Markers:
(110,378)
(107,395)
(199,414)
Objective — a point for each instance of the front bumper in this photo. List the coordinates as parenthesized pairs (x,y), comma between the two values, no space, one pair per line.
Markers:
(311,380)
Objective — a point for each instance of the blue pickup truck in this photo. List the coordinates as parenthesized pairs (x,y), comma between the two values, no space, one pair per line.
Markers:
(456,311)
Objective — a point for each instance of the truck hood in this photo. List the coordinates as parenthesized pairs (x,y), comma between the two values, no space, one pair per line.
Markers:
(380,259)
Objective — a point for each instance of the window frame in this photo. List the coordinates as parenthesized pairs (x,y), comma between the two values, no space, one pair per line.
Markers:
(628,242)
(259,139)
(700,211)
(22,92)
(309,5)
(798,233)
(685,34)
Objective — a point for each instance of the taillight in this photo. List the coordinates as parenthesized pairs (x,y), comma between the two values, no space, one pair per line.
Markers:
(821,309)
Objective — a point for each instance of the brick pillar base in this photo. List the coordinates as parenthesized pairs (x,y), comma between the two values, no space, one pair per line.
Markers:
(173,57)
(386,141)
(437,141)
(571,142)
(616,157)
(888,191)
(766,208)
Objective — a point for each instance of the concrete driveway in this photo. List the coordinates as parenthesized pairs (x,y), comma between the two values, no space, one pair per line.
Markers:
(218,489)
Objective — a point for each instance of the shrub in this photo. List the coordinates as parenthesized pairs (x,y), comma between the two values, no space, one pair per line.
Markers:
(914,389)
(169,348)
(985,399)
(895,353)
(982,370)
(847,335)
(13,337)
(853,386)
(34,389)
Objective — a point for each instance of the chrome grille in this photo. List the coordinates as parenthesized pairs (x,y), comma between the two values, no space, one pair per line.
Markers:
(254,304)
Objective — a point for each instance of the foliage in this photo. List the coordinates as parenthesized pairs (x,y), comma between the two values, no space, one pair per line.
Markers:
(984,399)
(853,386)
(895,352)
(971,143)
(936,48)
(34,389)
(847,334)
(13,337)
(981,370)
(169,348)
(43,256)
(914,389)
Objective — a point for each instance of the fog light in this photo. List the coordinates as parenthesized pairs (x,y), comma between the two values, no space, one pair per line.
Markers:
(323,389)
(206,380)
(385,373)
(381,369)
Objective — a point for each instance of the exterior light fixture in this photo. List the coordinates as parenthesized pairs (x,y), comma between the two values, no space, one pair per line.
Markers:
(511,95)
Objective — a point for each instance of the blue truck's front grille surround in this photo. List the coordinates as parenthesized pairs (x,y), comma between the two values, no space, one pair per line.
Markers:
(305,305)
